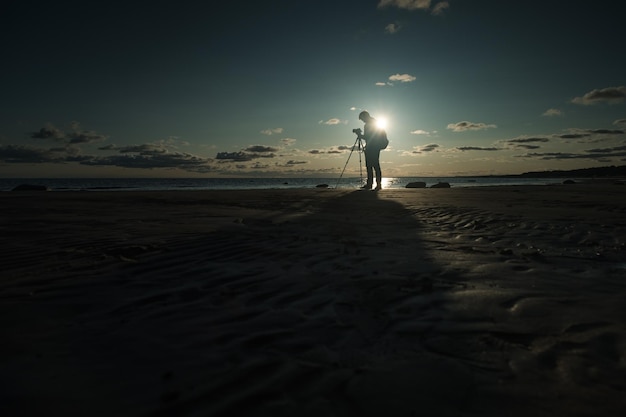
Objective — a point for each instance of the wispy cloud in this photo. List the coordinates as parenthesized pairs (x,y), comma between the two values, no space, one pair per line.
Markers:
(393,28)
(529,140)
(426,148)
(16,154)
(600,155)
(406,4)
(604,95)
(465,126)
(48,132)
(332,122)
(524,142)
(477,148)
(248,154)
(403,78)
(552,112)
(75,136)
(440,8)
(274,131)
(437,9)
(177,160)
(589,135)
(260,149)
(330,151)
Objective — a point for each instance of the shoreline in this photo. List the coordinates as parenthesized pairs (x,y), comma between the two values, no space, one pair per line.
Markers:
(152,184)
(464,301)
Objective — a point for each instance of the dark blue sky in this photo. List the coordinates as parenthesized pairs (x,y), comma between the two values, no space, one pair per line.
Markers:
(274,88)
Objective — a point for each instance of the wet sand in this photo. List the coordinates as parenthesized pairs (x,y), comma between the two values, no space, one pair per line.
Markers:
(483,301)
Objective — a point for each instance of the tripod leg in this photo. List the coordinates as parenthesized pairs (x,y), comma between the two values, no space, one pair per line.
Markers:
(360,165)
(357,142)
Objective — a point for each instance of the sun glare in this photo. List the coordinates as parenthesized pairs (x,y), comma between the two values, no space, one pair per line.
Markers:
(381,123)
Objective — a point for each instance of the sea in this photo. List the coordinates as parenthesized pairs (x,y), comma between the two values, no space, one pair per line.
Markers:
(169,184)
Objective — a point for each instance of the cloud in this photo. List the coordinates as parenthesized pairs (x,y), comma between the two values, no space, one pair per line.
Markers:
(288,141)
(589,135)
(607,131)
(330,151)
(86,136)
(607,150)
(406,4)
(260,149)
(573,135)
(145,149)
(477,148)
(415,5)
(403,78)
(528,140)
(392,28)
(427,148)
(142,157)
(601,155)
(274,131)
(248,154)
(48,132)
(332,122)
(528,147)
(465,126)
(420,132)
(620,122)
(421,150)
(440,8)
(176,160)
(382,84)
(608,95)
(523,142)
(552,112)
(234,156)
(149,155)
(77,136)
(16,154)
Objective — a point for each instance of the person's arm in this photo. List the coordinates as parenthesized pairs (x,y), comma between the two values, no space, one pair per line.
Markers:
(367,131)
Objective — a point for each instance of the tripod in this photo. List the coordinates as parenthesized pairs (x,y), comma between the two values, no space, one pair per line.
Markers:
(359,146)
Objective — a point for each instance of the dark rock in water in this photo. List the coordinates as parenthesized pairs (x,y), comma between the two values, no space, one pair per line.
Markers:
(569,182)
(441,185)
(416,184)
(321,186)
(31,187)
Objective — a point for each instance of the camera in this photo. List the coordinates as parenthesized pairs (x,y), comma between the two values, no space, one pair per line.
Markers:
(357,131)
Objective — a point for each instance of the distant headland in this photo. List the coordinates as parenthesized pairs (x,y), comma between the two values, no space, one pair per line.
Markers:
(597,172)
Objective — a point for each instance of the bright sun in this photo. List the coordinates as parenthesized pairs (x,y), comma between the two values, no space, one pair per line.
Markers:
(381,122)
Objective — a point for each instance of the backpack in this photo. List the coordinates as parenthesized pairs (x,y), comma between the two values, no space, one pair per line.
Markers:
(380,141)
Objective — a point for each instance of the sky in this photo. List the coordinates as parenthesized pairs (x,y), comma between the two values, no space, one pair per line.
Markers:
(274,88)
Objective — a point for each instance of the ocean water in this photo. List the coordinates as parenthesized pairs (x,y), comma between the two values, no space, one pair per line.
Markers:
(156,184)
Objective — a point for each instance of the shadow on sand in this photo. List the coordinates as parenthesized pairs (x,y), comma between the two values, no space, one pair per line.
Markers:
(324,314)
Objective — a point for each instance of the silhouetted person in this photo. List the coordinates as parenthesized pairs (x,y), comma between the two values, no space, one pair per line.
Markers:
(371,134)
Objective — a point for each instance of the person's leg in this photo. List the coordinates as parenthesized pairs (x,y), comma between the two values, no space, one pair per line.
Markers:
(370,170)
(376,167)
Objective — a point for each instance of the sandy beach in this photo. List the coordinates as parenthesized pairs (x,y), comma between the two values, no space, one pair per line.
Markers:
(478,301)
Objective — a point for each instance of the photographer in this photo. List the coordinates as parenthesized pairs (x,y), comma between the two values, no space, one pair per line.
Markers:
(372,150)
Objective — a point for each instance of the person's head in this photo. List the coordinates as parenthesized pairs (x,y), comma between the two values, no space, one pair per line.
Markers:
(364,116)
